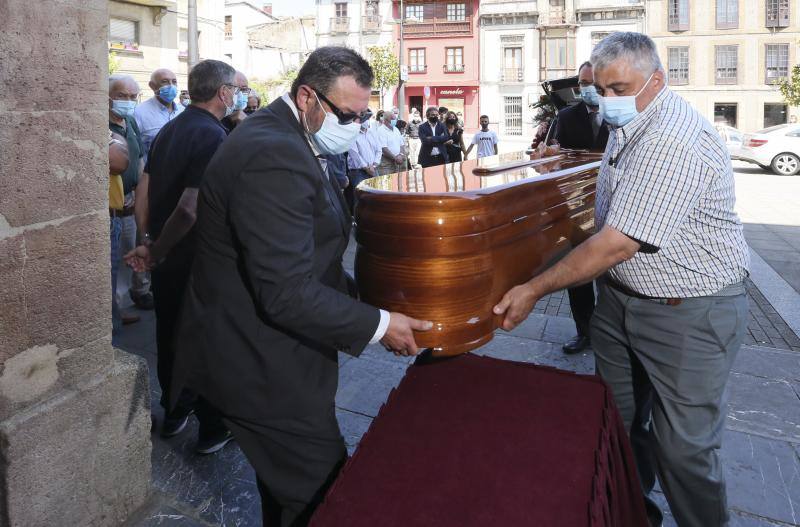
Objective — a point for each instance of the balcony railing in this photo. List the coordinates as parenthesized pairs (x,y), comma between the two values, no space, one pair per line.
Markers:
(340,24)
(437,26)
(418,68)
(454,68)
(511,74)
(371,23)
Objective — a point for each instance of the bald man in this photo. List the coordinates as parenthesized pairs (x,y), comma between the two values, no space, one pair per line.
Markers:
(154,113)
(240,103)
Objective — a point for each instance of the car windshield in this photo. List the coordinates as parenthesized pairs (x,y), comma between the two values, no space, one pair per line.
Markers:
(772,129)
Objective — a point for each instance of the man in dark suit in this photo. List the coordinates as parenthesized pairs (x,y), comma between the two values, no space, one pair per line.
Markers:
(581,126)
(269,305)
(434,138)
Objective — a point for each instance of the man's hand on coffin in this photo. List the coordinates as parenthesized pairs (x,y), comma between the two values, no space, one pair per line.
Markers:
(399,337)
(516,305)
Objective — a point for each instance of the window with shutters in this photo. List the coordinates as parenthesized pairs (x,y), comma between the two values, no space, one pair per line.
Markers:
(456,12)
(512,65)
(341,9)
(228,27)
(777,62)
(726,60)
(678,15)
(678,65)
(727,14)
(777,13)
(513,115)
(455,60)
(416,60)
(123,32)
(415,11)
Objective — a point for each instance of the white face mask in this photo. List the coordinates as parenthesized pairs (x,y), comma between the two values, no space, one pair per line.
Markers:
(619,111)
(332,137)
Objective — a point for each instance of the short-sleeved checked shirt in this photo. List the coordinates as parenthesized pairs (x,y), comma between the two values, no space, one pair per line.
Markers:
(666,181)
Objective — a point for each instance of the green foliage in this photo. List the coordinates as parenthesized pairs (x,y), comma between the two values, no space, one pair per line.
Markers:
(385,67)
(790,87)
(270,89)
(113,62)
(544,110)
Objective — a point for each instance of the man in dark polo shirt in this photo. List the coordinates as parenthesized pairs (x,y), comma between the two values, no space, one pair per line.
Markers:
(175,166)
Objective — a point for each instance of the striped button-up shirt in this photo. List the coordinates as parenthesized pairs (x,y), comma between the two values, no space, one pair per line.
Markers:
(666,181)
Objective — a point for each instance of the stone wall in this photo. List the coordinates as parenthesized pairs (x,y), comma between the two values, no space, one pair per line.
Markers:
(74,414)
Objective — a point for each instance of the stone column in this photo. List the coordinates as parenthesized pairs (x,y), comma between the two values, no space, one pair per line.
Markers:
(74,412)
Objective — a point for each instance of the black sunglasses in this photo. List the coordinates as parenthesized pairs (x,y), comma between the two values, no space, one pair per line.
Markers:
(345,117)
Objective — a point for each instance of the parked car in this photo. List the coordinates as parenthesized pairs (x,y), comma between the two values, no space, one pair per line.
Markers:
(776,148)
(733,139)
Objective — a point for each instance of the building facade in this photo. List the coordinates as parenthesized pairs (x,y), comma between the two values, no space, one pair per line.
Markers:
(145,35)
(240,17)
(441,48)
(723,56)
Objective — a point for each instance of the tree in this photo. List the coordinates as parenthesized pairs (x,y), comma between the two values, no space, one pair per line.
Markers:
(790,88)
(113,63)
(385,67)
(272,88)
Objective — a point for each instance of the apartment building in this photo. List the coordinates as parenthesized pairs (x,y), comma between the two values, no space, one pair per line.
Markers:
(724,56)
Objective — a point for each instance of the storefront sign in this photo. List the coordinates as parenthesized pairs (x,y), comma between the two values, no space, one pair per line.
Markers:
(451,91)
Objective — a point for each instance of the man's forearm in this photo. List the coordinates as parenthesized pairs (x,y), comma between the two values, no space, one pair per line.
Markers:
(178,225)
(140,206)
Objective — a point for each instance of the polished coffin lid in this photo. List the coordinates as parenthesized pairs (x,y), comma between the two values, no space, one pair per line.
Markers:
(444,243)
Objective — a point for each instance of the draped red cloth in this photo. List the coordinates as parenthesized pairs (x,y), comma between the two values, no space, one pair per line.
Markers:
(477,441)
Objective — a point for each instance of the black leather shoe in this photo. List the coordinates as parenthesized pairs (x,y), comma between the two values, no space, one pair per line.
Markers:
(144,301)
(175,422)
(213,443)
(576,345)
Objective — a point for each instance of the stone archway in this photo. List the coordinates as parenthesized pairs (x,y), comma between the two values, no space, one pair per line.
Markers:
(74,412)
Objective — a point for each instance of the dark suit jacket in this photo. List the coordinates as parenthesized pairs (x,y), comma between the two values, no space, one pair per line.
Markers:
(574,129)
(267,305)
(430,138)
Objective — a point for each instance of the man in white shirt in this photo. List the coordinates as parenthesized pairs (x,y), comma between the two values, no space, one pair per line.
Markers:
(362,161)
(392,143)
(485,139)
(157,111)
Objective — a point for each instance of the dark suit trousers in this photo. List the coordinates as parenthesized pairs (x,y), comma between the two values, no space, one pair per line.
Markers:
(168,288)
(432,161)
(581,303)
(293,471)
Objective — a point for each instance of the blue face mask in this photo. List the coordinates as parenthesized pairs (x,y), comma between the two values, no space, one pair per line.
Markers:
(590,96)
(168,93)
(394,123)
(619,111)
(241,101)
(123,108)
(332,137)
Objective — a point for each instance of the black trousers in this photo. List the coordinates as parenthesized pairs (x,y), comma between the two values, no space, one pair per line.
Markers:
(169,286)
(581,303)
(432,161)
(294,471)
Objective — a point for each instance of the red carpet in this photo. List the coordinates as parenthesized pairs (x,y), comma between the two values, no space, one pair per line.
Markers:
(476,441)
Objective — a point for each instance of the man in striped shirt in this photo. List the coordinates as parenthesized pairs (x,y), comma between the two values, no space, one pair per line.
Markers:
(671,258)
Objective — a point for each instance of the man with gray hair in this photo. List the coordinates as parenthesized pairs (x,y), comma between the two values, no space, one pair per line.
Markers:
(172,176)
(671,257)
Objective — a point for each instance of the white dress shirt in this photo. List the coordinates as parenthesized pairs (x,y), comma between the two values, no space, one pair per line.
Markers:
(391,138)
(151,116)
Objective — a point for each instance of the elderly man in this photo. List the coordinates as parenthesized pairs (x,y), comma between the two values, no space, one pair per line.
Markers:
(269,303)
(160,109)
(123,93)
(253,103)
(362,161)
(174,171)
(391,141)
(672,309)
(237,116)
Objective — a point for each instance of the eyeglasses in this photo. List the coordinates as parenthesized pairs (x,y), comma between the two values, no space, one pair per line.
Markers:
(236,89)
(345,117)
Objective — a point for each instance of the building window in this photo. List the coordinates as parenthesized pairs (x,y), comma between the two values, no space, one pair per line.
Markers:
(121,31)
(513,115)
(597,36)
(415,11)
(456,12)
(371,8)
(228,27)
(777,13)
(455,60)
(777,62)
(727,14)
(726,60)
(512,65)
(341,9)
(678,65)
(774,114)
(416,60)
(678,15)
(556,53)
(725,114)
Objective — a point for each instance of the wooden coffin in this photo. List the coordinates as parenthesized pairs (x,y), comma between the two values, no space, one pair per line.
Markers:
(445,243)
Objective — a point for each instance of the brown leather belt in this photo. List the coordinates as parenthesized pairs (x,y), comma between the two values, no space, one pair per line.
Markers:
(116,213)
(624,290)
